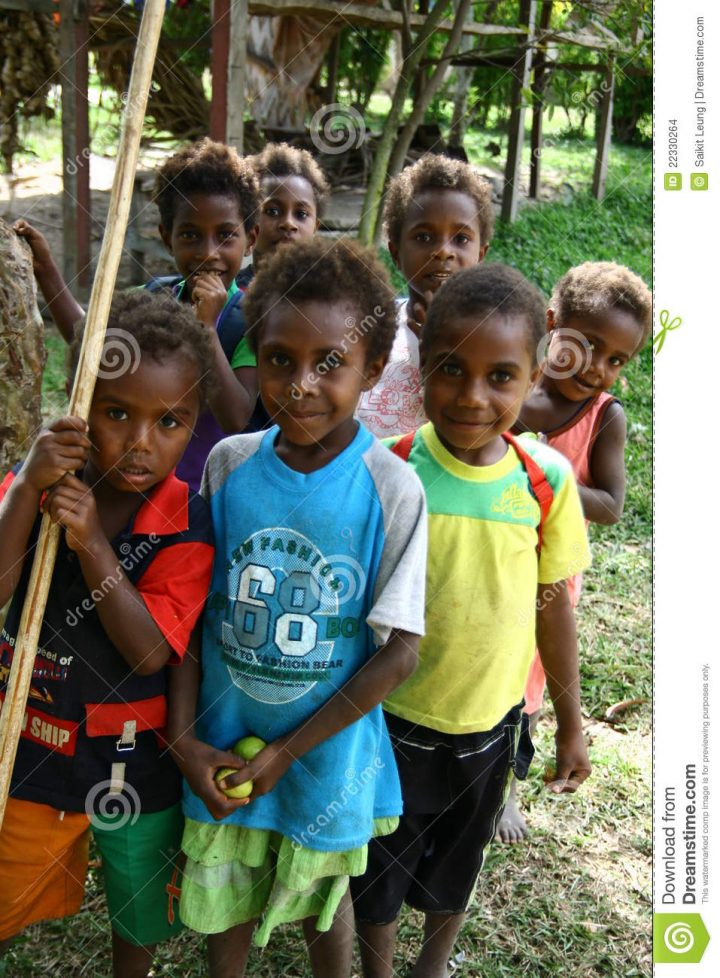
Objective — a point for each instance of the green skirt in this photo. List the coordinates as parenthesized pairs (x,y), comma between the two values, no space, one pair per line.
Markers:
(234,874)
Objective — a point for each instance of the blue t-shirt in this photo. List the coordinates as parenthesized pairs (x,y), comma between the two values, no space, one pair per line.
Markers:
(312,572)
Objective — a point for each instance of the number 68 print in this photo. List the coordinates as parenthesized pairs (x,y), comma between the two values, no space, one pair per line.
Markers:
(294,631)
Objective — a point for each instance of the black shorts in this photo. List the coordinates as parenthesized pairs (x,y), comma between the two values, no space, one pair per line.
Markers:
(453,788)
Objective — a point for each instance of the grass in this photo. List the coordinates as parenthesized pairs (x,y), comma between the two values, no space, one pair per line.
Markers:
(575,899)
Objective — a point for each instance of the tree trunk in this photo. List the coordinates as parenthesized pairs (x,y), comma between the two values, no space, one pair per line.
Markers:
(413,52)
(431,86)
(463,80)
(22,349)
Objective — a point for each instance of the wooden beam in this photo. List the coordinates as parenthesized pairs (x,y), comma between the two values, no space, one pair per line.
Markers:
(236,70)
(605,131)
(516,128)
(362,16)
(220,41)
(30,6)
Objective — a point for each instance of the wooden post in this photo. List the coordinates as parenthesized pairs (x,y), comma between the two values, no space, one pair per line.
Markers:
(13,712)
(605,130)
(333,68)
(516,127)
(538,89)
(220,41)
(236,66)
(75,141)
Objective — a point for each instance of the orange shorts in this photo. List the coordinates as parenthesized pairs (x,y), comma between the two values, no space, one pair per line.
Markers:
(43,862)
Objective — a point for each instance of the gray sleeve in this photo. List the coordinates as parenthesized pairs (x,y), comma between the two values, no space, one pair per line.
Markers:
(225,457)
(399,595)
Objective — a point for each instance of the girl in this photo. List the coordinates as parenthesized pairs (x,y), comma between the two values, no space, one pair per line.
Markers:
(293,193)
(439,220)
(599,319)
(314,617)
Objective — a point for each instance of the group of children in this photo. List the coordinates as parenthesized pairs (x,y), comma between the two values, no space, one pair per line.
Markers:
(371,612)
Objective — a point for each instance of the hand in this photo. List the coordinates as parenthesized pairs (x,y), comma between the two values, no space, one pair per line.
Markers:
(265,769)
(208,297)
(72,504)
(571,762)
(199,763)
(417,312)
(42,258)
(61,448)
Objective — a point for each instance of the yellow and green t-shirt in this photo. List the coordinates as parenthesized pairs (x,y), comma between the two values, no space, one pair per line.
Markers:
(483,573)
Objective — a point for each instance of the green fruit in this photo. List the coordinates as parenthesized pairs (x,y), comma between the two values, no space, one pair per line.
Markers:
(240,790)
(248,747)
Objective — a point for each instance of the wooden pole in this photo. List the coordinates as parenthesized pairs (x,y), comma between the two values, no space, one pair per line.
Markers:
(605,131)
(538,88)
(236,68)
(220,41)
(516,129)
(11,719)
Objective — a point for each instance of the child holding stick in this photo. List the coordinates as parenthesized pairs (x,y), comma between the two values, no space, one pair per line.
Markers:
(130,580)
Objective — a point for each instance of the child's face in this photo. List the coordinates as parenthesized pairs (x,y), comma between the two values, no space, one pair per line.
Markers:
(208,235)
(311,374)
(587,353)
(288,213)
(477,374)
(440,235)
(141,422)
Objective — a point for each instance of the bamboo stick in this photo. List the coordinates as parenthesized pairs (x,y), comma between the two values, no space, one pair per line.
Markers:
(11,719)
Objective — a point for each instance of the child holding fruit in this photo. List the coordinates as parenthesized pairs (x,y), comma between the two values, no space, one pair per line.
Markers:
(457,724)
(314,617)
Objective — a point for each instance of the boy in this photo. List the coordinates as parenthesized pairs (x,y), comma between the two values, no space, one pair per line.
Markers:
(456,723)
(439,219)
(129,582)
(207,197)
(314,617)
(293,192)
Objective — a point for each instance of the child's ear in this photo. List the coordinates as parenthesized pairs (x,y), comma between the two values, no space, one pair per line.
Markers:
(394,253)
(373,371)
(250,239)
(550,320)
(166,236)
(483,251)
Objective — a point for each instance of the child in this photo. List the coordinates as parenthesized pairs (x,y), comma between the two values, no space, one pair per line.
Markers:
(599,318)
(207,197)
(439,219)
(293,192)
(456,723)
(130,579)
(314,617)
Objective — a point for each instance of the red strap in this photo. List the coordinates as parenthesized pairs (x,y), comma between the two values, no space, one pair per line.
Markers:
(539,485)
(541,488)
(108,719)
(402,446)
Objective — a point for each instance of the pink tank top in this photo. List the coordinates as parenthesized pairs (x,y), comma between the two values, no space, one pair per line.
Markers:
(576,438)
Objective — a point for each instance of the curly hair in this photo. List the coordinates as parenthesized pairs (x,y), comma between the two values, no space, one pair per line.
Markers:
(595,287)
(333,272)
(282,160)
(433,172)
(155,324)
(482,290)
(207,167)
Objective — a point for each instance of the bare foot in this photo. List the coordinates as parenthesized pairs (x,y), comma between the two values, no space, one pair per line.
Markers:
(512,827)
